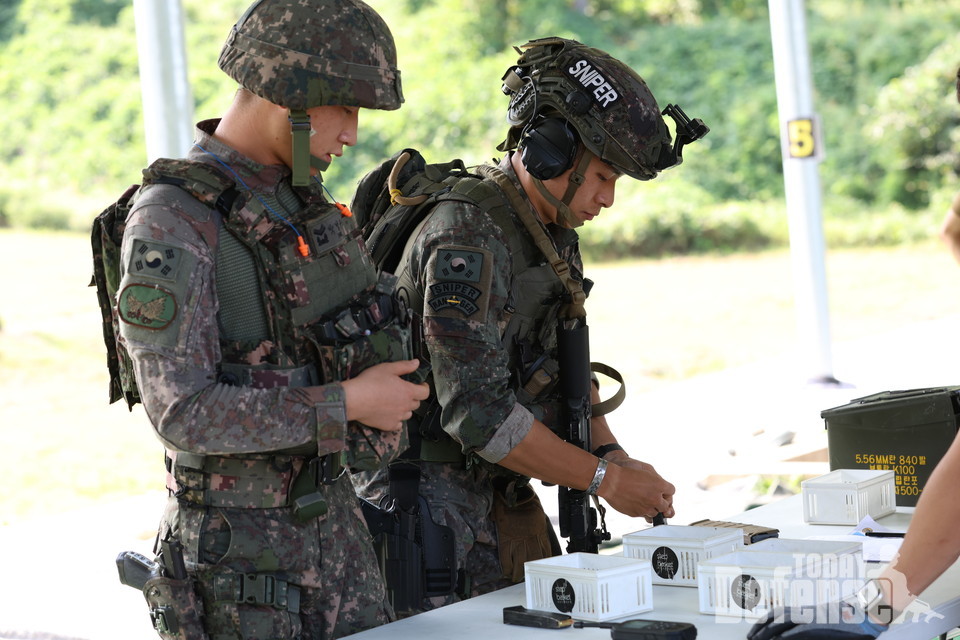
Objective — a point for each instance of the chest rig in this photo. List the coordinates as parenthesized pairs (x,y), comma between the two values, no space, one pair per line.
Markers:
(308,318)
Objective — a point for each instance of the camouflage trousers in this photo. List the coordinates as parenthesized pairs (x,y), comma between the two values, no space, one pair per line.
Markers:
(330,559)
(461,499)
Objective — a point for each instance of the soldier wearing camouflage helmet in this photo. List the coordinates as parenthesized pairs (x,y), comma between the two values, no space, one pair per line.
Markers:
(491,298)
(268,352)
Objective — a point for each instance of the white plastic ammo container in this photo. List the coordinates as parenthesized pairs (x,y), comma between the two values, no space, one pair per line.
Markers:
(847,496)
(748,584)
(673,551)
(589,586)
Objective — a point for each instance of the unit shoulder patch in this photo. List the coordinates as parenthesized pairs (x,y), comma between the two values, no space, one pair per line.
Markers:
(460,286)
(147,306)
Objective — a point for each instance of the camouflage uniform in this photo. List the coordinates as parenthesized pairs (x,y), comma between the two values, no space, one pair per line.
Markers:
(239,344)
(490,300)
(476,367)
(244,523)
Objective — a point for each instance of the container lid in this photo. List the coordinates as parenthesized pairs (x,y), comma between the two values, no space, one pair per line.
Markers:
(581,560)
(752,559)
(800,545)
(843,478)
(922,405)
(668,532)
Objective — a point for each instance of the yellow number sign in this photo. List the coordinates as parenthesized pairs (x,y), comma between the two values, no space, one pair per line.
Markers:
(803,143)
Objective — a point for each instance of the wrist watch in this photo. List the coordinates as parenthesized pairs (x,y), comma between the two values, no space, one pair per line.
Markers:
(870,598)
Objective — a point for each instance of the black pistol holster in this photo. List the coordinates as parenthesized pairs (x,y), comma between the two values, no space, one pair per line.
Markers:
(417,556)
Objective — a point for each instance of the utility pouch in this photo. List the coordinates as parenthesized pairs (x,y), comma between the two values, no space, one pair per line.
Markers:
(175,608)
(308,501)
(523,530)
(367,449)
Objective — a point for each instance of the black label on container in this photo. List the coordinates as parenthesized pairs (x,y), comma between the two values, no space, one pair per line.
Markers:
(665,563)
(746,592)
(564,597)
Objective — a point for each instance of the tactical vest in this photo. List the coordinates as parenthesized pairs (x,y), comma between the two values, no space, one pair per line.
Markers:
(302,319)
(323,317)
(536,297)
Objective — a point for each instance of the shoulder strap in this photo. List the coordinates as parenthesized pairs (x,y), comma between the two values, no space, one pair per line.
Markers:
(203,181)
(614,401)
(575,308)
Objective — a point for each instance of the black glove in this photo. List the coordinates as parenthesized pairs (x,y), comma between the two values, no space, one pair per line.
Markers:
(831,621)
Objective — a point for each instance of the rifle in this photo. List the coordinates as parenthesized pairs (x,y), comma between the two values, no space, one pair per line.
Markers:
(578,520)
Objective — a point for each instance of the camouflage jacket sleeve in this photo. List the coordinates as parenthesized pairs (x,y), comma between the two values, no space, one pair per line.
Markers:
(168,307)
(462,267)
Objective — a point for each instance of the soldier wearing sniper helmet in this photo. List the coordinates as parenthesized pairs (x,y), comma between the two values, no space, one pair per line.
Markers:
(493,281)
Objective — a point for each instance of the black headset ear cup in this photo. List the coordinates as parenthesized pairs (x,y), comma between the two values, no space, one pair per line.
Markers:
(548,148)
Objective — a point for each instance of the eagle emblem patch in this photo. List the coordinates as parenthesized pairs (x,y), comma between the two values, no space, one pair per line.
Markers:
(147,306)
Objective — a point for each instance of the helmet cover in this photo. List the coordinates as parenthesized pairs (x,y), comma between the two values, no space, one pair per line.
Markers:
(308,53)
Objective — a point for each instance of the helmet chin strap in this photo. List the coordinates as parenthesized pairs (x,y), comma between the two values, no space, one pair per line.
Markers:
(565,215)
(302,159)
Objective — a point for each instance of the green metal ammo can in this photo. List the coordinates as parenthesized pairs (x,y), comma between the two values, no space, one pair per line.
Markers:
(907,431)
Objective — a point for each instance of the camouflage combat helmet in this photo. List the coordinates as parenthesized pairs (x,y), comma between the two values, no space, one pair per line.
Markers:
(301,54)
(606,102)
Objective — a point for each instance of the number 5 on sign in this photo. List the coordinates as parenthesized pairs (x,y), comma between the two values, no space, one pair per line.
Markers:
(802,138)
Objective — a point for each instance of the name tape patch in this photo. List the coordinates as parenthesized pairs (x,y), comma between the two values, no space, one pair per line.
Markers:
(454,295)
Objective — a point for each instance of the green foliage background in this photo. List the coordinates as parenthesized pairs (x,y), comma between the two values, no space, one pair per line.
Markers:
(884,75)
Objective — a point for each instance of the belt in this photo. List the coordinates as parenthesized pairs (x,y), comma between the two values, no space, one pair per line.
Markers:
(255,482)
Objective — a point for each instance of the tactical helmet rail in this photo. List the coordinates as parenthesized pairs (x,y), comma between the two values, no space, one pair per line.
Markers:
(604,102)
(301,54)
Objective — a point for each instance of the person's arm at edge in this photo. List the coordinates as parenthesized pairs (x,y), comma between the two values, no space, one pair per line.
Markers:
(935,526)
(950,228)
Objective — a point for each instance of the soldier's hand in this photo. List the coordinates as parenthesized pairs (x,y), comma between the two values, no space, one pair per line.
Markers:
(380,398)
(637,490)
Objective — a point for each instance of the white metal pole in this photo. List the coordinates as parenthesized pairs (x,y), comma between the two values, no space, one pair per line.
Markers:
(165,91)
(802,152)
